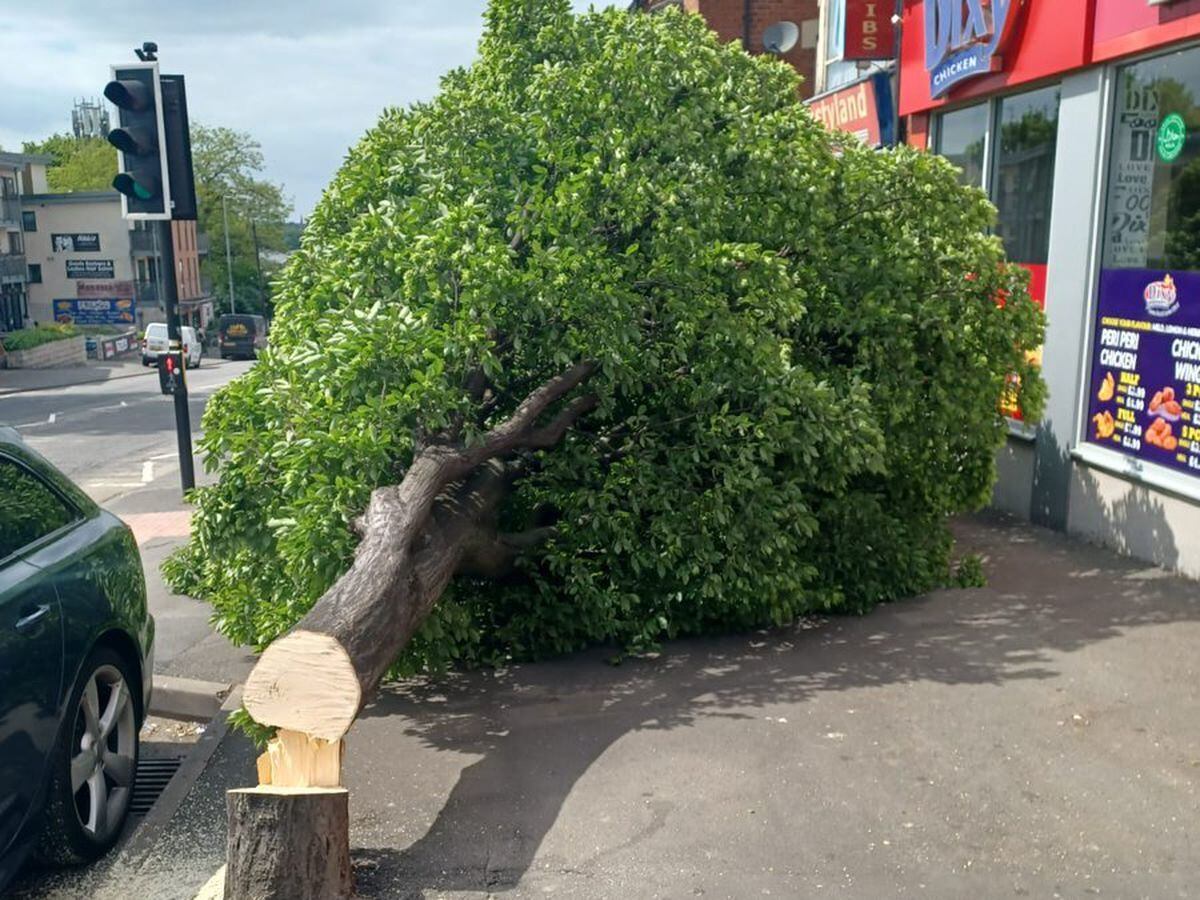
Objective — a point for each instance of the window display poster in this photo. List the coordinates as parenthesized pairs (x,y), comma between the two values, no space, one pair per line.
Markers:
(1144,388)
(1131,178)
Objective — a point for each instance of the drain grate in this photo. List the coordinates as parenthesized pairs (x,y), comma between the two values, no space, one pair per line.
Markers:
(153,776)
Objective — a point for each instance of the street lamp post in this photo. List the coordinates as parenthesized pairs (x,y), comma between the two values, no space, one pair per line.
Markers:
(228,254)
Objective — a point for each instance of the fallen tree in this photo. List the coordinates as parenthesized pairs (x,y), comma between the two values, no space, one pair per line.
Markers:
(609,342)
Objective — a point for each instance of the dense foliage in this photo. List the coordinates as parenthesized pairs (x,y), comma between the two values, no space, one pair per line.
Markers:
(801,352)
(28,338)
(230,189)
(78,164)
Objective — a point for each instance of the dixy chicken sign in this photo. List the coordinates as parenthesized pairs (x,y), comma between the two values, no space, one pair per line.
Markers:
(964,39)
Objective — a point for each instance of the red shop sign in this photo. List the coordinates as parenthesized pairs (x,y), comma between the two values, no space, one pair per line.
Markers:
(869,31)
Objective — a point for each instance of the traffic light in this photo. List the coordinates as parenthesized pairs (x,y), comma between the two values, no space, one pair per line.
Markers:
(140,136)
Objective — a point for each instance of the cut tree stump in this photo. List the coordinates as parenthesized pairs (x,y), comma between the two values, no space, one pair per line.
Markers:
(288,843)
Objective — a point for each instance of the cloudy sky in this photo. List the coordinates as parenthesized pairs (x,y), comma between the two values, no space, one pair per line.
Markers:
(312,75)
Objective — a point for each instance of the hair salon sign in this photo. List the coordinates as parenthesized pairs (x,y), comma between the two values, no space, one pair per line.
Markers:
(964,38)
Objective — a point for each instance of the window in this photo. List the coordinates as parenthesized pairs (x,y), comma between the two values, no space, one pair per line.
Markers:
(962,139)
(15,244)
(35,273)
(29,509)
(837,70)
(1145,372)
(8,187)
(29,220)
(1153,197)
(1023,181)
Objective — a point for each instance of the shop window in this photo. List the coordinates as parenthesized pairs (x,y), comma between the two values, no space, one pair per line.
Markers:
(29,220)
(1144,381)
(962,139)
(1023,181)
(1153,195)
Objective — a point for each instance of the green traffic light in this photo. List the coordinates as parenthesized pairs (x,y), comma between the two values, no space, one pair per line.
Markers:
(144,187)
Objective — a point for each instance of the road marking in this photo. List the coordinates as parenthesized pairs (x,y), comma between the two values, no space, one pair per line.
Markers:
(170,455)
(123,403)
(147,471)
(53,416)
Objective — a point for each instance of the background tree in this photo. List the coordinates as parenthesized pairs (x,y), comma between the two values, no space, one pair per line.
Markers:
(605,343)
(80,164)
(227,164)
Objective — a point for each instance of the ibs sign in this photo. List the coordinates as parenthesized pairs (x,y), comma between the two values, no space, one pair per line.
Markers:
(963,39)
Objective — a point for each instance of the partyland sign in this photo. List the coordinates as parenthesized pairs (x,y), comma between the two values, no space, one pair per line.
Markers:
(963,39)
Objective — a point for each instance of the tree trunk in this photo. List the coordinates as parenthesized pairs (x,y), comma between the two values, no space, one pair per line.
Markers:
(416,536)
(288,844)
(290,836)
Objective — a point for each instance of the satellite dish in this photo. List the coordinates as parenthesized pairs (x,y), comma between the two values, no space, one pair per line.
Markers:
(781,37)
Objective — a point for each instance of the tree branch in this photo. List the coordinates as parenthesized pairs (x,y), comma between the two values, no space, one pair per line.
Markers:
(517,431)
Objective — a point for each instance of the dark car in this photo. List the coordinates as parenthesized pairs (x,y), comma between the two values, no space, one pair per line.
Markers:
(241,336)
(76,650)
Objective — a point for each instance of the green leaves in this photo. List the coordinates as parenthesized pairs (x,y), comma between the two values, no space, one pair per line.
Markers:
(801,352)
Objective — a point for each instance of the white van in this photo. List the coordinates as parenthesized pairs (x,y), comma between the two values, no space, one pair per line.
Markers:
(154,342)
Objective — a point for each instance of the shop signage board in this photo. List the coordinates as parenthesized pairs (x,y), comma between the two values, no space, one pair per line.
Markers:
(869,31)
(1124,27)
(964,39)
(101,289)
(863,109)
(1144,387)
(109,311)
(997,46)
(77,242)
(89,268)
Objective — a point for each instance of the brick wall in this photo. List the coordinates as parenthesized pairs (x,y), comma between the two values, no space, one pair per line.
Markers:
(726,18)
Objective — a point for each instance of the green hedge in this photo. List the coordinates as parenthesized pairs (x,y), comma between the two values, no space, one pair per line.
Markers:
(28,338)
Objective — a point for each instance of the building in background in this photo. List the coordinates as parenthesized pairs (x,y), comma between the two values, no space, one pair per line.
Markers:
(89,119)
(20,173)
(855,70)
(1081,121)
(89,266)
(747,20)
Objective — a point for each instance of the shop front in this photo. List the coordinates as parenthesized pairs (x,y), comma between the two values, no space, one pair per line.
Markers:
(1081,121)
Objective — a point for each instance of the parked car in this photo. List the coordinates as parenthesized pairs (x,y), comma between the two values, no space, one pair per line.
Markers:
(155,341)
(76,657)
(241,336)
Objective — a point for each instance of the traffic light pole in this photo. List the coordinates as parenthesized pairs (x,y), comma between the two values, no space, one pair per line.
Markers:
(183,418)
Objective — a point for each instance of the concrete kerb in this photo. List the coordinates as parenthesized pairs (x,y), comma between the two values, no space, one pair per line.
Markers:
(187,698)
(142,843)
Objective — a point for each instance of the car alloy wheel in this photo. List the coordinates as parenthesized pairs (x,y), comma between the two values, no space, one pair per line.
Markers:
(103,753)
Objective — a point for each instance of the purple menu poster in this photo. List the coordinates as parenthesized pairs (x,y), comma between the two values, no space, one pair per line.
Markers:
(1144,391)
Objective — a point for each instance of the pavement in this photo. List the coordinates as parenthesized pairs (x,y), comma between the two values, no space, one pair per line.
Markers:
(1036,737)
(19,381)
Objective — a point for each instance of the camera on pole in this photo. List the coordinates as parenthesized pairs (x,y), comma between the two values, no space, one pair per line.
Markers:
(156,184)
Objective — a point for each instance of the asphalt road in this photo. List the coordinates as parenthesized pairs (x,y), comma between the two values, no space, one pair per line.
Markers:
(114,437)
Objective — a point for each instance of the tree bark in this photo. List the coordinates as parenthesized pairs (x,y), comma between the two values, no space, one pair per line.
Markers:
(416,536)
(288,844)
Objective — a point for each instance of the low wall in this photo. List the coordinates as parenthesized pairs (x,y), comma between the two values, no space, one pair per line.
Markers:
(54,355)
(113,346)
